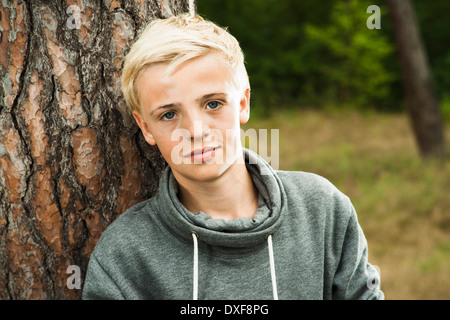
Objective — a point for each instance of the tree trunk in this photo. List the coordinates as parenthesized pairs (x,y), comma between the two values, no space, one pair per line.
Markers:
(71,156)
(420,98)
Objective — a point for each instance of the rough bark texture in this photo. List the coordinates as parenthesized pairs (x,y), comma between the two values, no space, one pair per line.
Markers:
(71,156)
(419,93)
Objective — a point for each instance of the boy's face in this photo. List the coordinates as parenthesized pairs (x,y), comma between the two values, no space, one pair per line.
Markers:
(193,115)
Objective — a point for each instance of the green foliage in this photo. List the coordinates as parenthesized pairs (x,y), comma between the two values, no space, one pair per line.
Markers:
(272,37)
(354,71)
(445,106)
(322,54)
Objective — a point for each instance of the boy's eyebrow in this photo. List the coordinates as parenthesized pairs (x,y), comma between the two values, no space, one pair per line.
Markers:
(166,106)
(211,95)
(202,98)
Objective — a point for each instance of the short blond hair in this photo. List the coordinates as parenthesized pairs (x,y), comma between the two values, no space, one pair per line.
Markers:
(174,41)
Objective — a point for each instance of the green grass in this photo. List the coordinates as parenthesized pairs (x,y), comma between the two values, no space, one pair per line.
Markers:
(403,203)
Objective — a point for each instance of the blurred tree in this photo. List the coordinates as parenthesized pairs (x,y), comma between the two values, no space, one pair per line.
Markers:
(418,85)
(433,18)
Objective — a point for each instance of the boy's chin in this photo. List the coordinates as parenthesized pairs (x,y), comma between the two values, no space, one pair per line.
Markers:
(202,172)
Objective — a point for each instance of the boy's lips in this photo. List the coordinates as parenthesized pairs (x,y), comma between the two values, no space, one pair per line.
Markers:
(202,154)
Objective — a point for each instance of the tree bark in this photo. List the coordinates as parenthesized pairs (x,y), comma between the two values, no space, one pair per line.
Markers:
(420,98)
(72,158)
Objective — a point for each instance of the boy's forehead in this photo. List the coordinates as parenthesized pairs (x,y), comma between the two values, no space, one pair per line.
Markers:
(193,78)
(210,64)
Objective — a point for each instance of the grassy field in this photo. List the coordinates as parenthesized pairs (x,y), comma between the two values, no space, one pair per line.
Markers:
(403,203)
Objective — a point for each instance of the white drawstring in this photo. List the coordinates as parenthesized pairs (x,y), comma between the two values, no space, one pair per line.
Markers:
(272,267)
(195,281)
(271,260)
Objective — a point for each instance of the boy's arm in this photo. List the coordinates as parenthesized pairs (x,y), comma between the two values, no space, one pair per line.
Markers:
(355,278)
(98,285)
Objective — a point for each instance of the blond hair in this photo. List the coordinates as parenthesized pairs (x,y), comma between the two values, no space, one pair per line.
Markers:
(174,41)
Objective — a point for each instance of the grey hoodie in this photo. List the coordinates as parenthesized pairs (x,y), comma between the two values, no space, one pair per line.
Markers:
(304,242)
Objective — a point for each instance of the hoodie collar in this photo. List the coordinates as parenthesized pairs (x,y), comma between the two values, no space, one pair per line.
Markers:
(235,233)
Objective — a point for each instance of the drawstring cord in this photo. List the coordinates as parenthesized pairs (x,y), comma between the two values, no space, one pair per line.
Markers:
(195,284)
(272,267)
(271,260)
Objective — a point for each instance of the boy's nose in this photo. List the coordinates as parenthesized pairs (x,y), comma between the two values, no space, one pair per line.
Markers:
(196,127)
(198,132)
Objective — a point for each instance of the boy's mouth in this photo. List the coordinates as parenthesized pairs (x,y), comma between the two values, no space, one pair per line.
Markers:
(202,154)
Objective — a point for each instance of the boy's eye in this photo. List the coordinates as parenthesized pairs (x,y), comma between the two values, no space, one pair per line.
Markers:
(168,115)
(213,105)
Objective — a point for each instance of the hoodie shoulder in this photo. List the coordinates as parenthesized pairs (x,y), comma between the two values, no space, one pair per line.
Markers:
(315,194)
(307,182)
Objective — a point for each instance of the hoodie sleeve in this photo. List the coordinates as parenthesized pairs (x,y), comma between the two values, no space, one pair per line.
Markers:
(355,278)
(98,284)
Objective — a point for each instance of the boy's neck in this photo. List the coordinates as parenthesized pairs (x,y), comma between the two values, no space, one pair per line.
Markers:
(232,195)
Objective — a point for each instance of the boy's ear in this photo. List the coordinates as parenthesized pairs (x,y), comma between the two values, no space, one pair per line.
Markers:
(244,112)
(144,128)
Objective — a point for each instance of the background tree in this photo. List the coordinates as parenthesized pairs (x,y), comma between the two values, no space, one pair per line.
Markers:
(71,156)
(417,79)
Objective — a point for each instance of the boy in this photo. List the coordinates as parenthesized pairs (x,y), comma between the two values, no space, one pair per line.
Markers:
(223,224)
